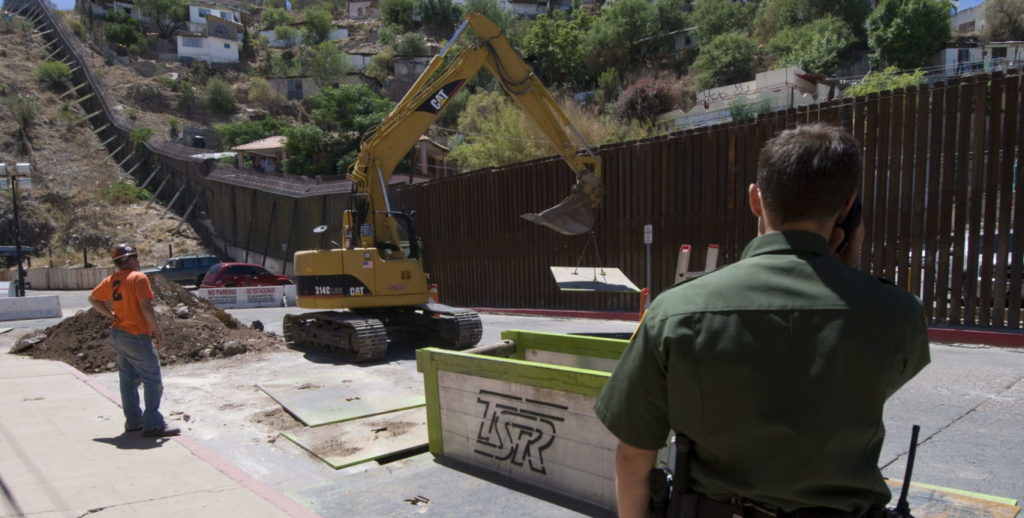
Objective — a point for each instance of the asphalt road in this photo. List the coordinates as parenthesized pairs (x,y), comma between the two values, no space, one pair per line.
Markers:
(969,402)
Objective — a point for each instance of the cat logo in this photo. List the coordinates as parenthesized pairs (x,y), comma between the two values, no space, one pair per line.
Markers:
(438,100)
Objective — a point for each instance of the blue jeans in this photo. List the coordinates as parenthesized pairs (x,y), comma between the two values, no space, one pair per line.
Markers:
(138,363)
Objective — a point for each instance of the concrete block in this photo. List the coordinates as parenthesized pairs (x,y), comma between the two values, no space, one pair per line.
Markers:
(290,293)
(6,289)
(25,308)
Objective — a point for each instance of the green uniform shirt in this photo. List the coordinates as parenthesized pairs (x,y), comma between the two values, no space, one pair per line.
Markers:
(777,367)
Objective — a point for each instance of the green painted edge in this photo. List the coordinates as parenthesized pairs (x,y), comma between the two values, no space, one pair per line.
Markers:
(574,380)
(964,492)
(290,437)
(425,364)
(5,329)
(360,416)
(591,346)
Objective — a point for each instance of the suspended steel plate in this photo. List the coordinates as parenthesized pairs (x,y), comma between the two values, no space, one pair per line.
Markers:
(573,278)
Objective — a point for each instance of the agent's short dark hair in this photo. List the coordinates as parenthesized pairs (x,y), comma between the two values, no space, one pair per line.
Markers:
(808,172)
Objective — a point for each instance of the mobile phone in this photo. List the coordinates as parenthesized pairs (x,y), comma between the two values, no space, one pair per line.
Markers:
(850,223)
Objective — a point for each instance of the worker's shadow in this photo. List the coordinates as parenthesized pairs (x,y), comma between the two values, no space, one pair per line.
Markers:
(133,441)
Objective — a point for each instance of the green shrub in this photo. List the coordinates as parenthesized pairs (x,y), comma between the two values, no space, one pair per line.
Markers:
(139,136)
(380,64)
(23,110)
(741,109)
(398,12)
(888,79)
(219,97)
(123,30)
(242,132)
(77,28)
(288,34)
(645,99)
(411,44)
(172,126)
(124,193)
(53,73)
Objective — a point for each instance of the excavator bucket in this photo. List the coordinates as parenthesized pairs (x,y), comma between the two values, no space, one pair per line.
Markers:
(573,216)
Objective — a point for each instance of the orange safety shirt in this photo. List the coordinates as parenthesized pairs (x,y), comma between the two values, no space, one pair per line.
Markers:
(123,290)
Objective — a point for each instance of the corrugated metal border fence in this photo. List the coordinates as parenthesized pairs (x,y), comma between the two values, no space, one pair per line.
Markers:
(940,189)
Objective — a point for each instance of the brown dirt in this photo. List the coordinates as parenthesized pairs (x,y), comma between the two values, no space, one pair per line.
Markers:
(194,330)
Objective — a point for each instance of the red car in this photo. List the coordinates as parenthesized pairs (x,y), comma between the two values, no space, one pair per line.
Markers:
(230,275)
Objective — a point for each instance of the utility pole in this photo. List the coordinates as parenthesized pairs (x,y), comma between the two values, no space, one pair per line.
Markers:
(15,175)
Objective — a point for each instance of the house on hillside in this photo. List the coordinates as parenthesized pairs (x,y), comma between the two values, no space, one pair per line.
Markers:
(966,56)
(777,89)
(532,8)
(968,21)
(219,41)
(338,34)
(364,9)
(264,155)
(302,87)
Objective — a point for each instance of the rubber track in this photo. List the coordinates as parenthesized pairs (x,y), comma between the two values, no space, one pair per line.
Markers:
(470,328)
(352,337)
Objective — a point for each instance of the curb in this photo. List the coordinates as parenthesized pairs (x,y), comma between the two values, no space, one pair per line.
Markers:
(1007,339)
(288,506)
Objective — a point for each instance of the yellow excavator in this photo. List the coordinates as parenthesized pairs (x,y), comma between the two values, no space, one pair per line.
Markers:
(375,272)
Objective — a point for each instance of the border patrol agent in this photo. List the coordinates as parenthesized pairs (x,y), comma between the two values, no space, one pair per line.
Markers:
(776,367)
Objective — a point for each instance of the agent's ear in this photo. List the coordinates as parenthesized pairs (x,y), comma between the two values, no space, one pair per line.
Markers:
(754,197)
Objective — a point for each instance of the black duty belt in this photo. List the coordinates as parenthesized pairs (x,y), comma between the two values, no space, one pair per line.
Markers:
(703,507)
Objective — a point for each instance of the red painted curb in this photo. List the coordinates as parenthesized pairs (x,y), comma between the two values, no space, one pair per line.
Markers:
(272,496)
(935,334)
(974,336)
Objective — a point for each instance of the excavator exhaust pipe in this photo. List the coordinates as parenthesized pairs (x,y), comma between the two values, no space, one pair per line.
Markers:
(572,217)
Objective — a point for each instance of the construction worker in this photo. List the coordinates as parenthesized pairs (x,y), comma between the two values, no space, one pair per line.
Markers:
(133,333)
(773,370)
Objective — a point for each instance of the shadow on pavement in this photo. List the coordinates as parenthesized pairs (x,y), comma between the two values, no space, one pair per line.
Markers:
(133,441)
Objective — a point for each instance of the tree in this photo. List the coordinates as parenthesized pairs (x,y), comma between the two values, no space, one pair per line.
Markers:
(645,99)
(398,12)
(814,47)
(504,18)
(777,15)
(168,15)
(727,59)
(275,16)
(123,30)
(620,35)
(494,132)
(1004,20)
(440,15)
(906,33)
(348,108)
(888,79)
(219,97)
(326,64)
(319,25)
(308,151)
(715,17)
(555,47)
(242,132)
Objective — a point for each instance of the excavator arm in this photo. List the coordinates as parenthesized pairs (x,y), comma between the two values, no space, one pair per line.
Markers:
(388,143)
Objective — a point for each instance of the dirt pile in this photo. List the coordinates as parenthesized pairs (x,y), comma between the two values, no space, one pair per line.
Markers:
(194,330)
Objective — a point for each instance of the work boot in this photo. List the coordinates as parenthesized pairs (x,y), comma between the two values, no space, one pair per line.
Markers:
(165,431)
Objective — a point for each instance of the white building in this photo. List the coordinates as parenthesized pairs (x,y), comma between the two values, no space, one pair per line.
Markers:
(220,41)
(197,14)
(778,89)
(976,57)
(969,20)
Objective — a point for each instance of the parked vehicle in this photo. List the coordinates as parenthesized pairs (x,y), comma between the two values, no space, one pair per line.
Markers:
(188,269)
(231,275)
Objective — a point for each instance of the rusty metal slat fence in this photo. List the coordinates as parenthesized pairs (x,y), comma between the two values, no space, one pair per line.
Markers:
(941,194)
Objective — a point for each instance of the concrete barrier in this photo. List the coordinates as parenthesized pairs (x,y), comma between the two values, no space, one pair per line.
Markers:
(66,278)
(6,289)
(290,298)
(26,308)
(249,297)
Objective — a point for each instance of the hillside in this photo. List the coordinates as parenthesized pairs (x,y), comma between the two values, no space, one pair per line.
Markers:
(80,199)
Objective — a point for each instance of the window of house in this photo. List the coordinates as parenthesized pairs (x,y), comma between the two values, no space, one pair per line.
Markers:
(966,27)
(227,45)
(203,12)
(226,15)
(998,52)
(220,30)
(963,55)
(192,42)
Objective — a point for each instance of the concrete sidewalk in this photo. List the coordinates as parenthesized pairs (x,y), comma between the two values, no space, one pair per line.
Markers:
(62,454)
